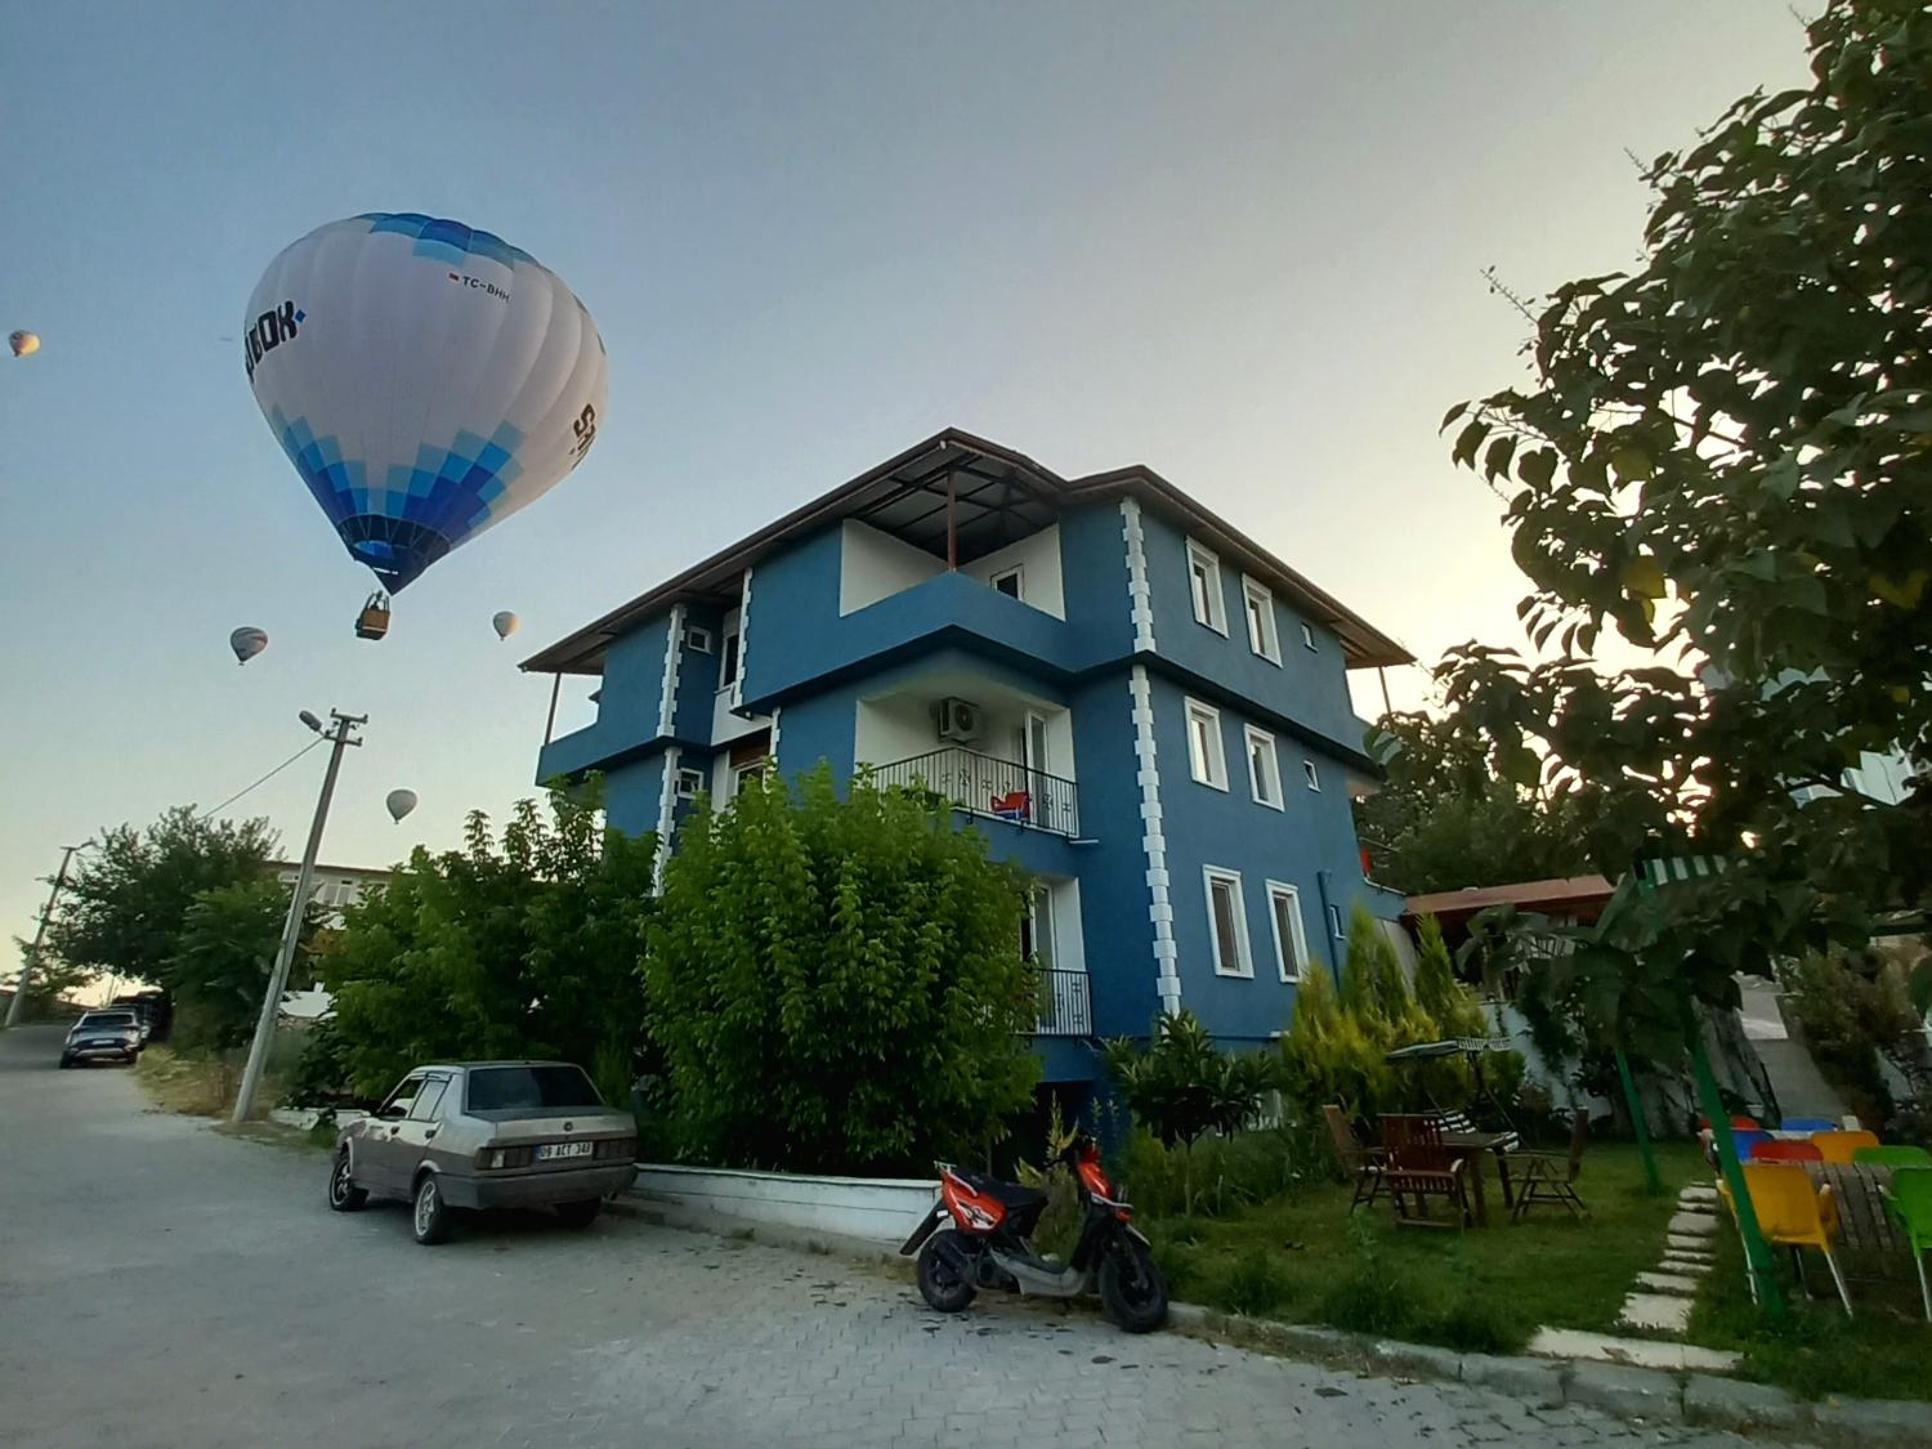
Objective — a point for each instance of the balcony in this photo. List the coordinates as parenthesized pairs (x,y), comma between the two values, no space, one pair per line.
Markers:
(1066,1004)
(987,786)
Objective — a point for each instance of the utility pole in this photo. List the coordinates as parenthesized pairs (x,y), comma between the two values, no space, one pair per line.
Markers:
(339,734)
(32,960)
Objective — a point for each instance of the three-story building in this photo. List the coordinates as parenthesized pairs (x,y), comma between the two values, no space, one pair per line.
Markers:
(1129,696)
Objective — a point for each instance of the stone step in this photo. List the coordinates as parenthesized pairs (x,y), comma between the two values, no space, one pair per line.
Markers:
(1657,1312)
(1684,1243)
(1694,1225)
(1698,1194)
(1574,1343)
(1662,1282)
(1684,1263)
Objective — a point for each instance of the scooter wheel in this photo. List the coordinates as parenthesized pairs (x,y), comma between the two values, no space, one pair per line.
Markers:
(1132,1289)
(946,1272)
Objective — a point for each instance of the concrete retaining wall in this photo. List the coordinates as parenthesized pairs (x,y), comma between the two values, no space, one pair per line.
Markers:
(872,1209)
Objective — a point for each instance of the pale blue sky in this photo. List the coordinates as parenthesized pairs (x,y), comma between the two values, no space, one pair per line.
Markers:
(1239,243)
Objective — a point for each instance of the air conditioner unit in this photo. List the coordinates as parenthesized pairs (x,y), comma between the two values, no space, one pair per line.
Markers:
(958,720)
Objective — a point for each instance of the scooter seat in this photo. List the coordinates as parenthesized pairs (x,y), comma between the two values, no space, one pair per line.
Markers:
(1015,1196)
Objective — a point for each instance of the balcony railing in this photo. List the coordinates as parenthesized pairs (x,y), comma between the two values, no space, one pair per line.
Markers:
(987,785)
(1066,1004)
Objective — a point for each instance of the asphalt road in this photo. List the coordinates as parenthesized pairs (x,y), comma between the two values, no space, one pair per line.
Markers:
(162,1283)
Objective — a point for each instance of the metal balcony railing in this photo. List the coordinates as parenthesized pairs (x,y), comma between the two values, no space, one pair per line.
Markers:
(1066,1004)
(989,786)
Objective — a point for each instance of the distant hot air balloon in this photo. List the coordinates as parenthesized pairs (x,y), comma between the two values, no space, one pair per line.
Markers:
(505,623)
(426,381)
(23,343)
(400,803)
(247,642)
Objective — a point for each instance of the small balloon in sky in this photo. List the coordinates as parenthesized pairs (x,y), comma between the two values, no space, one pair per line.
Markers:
(505,623)
(24,343)
(247,642)
(400,803)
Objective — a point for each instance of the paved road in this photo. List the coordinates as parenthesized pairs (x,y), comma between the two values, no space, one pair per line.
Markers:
(163,1284)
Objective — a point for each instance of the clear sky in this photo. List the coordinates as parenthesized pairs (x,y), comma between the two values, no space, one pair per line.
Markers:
(1239,243)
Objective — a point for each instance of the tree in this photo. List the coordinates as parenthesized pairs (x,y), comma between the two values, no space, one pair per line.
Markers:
(221,961)
(128,900)
(836,984)
(1450,1004)
(1444,817)
(522,945)
(1722,458)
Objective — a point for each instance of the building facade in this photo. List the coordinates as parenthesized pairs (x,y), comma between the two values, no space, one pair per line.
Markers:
(1128,696)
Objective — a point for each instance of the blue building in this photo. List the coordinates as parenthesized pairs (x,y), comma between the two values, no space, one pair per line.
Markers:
(1129,696)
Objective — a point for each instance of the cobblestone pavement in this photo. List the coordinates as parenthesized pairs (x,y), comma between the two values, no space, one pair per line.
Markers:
(161,1283)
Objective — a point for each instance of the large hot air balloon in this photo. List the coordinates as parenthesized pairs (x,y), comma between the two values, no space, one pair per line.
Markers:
(247,643)
(505,623)
(400,803)
(23,343)
(425,379)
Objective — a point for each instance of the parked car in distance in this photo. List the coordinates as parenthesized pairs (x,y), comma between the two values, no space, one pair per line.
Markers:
(465,1135)
(112,1034)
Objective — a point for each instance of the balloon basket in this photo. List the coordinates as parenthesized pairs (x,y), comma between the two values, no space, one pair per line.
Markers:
(373,621)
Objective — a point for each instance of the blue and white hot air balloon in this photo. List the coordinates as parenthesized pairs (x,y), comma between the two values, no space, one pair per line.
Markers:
(426,380)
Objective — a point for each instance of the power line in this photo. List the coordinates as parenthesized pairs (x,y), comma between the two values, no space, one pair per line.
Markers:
(266,778)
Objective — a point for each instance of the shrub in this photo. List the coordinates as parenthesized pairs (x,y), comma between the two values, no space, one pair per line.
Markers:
(1254,1283)
(1369,1296)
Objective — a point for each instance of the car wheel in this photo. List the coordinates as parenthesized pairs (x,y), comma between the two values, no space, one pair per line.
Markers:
(579,1214)
(344,1195)
(430,1217)
(65,1061)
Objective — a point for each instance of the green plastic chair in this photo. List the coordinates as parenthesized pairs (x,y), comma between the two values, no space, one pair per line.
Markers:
(1910,1199)
(1892,1157)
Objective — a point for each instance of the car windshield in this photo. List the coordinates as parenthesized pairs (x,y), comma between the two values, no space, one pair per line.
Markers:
(108,1018)
(491,1089)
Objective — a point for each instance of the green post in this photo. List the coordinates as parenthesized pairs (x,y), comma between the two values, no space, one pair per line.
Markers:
(1652,1181)
(1757,1256)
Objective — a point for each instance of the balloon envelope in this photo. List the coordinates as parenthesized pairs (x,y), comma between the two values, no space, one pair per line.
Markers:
(247,643)
(425,379)
(505,624)
(24,344)
(400,803)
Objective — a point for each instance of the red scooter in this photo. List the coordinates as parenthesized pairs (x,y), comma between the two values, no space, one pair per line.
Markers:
(980,1235)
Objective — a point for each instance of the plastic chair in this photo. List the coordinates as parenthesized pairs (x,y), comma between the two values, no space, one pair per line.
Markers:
(1910,1199)
(1808,1124)
(1839,1146)
(1891,1157)
(1793,1214)
(1746,1142)
(1782,1150)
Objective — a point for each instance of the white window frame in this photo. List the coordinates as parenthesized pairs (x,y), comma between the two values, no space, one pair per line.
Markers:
(697,638)
(736,657)
(1214,600)
(1252,735)
(1256,595)
(1017,574)
(1212,771)
(1308,636)
(1210,876)
(689,783)
(1311,775)
(1279,891)
(1335,923)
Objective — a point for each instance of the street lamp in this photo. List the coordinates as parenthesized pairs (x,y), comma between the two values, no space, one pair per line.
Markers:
(340,735)
(32,958)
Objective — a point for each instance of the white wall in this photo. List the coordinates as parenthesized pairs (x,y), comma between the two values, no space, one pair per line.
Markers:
(875,565)
(896,727)
(877,1209)
(1038,555)
(1069,937)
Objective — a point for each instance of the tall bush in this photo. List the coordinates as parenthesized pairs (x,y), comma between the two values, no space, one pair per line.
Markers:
(836,983)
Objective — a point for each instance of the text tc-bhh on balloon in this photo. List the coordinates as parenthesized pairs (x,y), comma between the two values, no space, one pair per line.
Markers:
(426,379)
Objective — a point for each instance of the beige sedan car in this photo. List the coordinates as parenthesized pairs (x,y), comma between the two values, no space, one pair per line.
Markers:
(487,1135)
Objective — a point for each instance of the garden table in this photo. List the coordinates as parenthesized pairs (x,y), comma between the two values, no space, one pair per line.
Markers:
(1864,1226)
(1473,1147)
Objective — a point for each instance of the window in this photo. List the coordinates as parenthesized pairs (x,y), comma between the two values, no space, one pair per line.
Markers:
(728,671)
(1261,619)
(1264,770)
(1309,774)
(1007,582)
(1284,914)
(744,775)
(497,1089)
(1204,583)
(697,638)
(1204,752)
(1307,636)
(1335,923)
(429,1100)
(1227,923)
(400,1100)
(690,782)
(1036,928)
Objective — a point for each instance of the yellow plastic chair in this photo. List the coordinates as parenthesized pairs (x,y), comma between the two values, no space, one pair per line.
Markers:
(1839,1146)
(1791,1214)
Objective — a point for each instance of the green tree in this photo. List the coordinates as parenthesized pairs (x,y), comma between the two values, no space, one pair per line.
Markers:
(222,955)
(1450,1004)
(520,945)
(1721,457)
(836,984)
(128,899)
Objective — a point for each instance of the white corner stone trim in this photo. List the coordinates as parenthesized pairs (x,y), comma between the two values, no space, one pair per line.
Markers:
(771,748)
(1153,840)
(667,799)
(744,642)
(1140,599)
(667,694)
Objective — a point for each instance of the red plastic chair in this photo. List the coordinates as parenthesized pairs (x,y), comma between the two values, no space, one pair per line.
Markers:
(1015,805)
(1778,1150)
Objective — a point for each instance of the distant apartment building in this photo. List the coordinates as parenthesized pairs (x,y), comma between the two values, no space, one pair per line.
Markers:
(334,887)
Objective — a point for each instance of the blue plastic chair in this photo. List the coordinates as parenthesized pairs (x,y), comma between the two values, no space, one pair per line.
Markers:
(1808,1124)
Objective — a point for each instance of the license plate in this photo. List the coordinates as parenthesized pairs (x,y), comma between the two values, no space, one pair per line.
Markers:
(550,1151)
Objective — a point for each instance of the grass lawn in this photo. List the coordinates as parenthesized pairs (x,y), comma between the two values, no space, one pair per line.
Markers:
(1884,1352)
(1302,1258)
